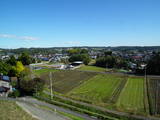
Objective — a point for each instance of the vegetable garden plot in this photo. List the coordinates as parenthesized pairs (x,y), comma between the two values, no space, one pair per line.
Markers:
(154,95)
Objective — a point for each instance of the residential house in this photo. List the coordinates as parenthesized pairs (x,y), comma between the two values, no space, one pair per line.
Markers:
(5,86)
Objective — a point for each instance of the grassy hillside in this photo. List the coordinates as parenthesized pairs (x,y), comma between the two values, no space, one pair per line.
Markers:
(11,111)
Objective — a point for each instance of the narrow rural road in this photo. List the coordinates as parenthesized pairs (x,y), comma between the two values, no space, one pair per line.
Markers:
(51,106)
(39,113)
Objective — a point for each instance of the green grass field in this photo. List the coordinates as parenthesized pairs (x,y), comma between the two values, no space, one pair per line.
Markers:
(132,96)
(42,71)
(11,111)
(99,88)
(92,62)
(92,68)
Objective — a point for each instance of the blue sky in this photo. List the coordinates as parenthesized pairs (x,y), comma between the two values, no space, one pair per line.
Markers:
(53,23)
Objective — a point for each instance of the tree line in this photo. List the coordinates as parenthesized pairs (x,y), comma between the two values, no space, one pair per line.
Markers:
(25,84)
(110,61)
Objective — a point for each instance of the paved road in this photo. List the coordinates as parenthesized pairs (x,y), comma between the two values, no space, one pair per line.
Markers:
(40,113)
(35,101)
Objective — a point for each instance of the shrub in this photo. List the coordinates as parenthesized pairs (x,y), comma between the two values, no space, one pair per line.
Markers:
(14,94)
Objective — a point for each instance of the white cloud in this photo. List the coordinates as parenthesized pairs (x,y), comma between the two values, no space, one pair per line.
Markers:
(72,42)
(7,36)
(26,38)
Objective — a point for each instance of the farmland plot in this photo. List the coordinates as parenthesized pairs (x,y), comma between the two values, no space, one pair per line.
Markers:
(132,96)
(64,81)
(98,89)
(154,95)
(42,71)
(93,68)
(117,92)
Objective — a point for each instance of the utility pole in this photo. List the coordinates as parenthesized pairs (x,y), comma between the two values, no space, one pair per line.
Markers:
(32,77)
(156,99)
(145,72)
(50,76)
(106,67)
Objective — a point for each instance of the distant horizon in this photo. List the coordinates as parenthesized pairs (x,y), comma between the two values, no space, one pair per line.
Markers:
(47,23)
(77,47)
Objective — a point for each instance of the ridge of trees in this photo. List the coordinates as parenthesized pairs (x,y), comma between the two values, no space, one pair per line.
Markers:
(110,61)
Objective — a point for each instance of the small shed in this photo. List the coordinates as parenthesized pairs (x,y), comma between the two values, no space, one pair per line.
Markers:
(76,63)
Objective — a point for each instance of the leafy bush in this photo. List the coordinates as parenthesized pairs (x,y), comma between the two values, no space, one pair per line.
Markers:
(14,94)
(29,87)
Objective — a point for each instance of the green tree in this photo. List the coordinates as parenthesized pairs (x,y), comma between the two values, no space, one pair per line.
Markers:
(4,68)
(12,61)
(17,71)
(12,72)
(153,66)
(84,51)
(25,59)
(111,62)
(80,57)
(29,87)
(85,58)
(101,62)
(73,51)
(106,53)
(19,68)
(108,61)
(121,63)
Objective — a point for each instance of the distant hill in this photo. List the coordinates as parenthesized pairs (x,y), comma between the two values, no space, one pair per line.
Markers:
(59,49)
